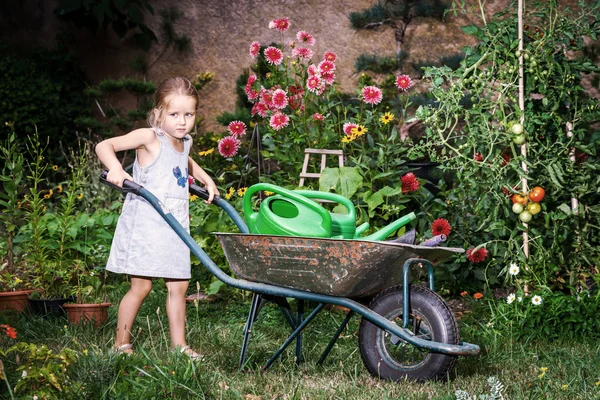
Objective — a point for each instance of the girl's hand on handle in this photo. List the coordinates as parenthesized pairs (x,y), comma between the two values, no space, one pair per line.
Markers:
(212,191)
(117,176)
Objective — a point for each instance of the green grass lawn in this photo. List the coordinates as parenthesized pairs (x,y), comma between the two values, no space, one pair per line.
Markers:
(572,366)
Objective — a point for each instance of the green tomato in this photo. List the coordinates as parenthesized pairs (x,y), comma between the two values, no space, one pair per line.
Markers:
(519,139)
(517,128)
(525,216)
(517,208)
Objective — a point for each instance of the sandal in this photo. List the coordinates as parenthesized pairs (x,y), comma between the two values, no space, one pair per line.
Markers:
(124,349)
(187,350)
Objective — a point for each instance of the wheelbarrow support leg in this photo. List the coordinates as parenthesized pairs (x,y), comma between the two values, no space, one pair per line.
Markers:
(289,340)
(254,308)
(406,286)
(299,318)
(335,337)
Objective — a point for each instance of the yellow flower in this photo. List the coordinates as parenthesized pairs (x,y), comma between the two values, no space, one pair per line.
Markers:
(598,383)
(206,152)
(242,191)
(268,75)
(565,386)
(193,197)
(387,118)
(544,369)
(359,130)
(229,193)
(80,196)
(59,189)
(55,167)
(267,193)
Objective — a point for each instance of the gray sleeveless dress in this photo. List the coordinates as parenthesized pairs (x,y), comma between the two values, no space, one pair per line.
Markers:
(143,243)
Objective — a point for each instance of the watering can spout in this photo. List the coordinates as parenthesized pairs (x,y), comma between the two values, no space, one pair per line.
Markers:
(384,232)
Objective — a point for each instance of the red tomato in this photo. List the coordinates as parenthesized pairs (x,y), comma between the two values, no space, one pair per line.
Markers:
(519,198)
(537,194)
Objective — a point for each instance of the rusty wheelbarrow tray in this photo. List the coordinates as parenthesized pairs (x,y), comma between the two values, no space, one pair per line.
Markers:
(402,317)
(335,267)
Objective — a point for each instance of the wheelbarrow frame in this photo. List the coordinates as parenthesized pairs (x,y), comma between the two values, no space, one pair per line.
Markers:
(278,294)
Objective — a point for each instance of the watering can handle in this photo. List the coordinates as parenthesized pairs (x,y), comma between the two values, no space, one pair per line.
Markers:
(334,197)
(284,192)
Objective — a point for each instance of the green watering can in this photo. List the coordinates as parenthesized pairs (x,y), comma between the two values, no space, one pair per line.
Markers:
(295,213)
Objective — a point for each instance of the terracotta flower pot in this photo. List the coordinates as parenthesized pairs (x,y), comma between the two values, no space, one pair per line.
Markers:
(86,313)
(15,301)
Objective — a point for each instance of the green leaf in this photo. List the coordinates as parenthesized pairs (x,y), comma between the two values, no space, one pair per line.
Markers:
(470,29)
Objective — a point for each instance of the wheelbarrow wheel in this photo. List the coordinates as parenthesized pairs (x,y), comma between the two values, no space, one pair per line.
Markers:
(388,357)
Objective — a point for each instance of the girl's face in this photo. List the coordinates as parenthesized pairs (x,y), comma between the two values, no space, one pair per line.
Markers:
(179,116)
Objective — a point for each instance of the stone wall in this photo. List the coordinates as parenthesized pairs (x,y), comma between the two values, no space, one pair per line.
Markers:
(222,30)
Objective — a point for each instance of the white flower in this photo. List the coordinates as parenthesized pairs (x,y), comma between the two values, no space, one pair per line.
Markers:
(520,299)
(536,300)
(511,297)
(514,269)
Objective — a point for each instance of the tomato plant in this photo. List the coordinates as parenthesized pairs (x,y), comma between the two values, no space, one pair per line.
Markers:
(559,115)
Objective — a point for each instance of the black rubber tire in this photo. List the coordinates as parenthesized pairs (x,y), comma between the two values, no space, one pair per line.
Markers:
(435,321)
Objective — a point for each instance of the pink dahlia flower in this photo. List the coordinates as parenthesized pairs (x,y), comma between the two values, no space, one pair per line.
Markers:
(326,66)
(273,55)
(318,117)
(329,56)
(313,70)
(305,37)
(228,146)
(279,121)
(312,83)
(261,109)
(237,128)
(280,100)
(281,24)
(403,82)
(328,77)
(302,52)
(348,126)
(254,49)
(372,95)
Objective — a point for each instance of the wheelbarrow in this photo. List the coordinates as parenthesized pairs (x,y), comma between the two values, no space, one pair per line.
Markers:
(406,331)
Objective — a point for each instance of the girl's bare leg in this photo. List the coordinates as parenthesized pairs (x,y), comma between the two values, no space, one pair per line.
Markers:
(176,313)
(129,307)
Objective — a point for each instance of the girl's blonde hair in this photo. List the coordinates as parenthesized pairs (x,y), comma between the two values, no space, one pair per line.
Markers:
(178,85)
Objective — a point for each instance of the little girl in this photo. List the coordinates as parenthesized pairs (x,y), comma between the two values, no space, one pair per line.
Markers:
(144,246)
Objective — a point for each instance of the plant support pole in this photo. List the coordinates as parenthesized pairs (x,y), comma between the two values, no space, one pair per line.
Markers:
(574,201)
(522,119)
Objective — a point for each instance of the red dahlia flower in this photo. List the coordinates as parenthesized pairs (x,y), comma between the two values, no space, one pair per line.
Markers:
(228,146)
(440,226)
(326,66)
(410,183)
(477,256)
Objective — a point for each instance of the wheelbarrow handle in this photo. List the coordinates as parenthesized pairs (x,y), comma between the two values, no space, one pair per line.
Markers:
(128,186)
(202,193)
